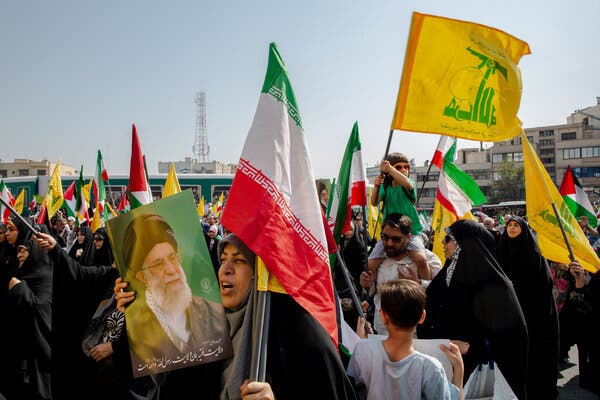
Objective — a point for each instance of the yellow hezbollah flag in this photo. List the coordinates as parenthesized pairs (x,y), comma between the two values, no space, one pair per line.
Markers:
(540,194)
(54,197)
(87,189)
(440,220)
(20,202)
(172,183)
(375,217)
(96,220)
(267,281)
(460,79)
(200,209)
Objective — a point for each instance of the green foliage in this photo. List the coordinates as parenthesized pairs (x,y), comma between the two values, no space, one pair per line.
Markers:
(508,183)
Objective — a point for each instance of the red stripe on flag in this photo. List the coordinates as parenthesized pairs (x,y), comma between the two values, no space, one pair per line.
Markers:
(446,203)
(358,196)
(289,250)
(438,159)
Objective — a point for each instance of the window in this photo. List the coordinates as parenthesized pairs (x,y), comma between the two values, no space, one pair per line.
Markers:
(3,173)
(546,142)
(41,172)
(23,172)
(571,153)
(546,151)
(587,172)
(568,136)
(547,160)
(518,156)
(497,158)
(587,152)
(546,133)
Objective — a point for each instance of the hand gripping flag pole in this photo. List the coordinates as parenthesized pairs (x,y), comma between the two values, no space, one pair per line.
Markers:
(13,211)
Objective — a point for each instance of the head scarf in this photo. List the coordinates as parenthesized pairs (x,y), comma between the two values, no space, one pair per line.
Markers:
(142,234)
(85,247)
(240,328)
(103,255)
(479,303)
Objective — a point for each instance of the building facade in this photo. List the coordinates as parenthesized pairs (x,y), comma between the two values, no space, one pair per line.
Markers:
(24,167)
(193,166)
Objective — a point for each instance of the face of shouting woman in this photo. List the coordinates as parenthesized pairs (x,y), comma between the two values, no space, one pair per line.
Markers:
(235,277)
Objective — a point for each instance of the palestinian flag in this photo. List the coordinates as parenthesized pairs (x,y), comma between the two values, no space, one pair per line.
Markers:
(124,204)
(286,231)
(139,193)
(8,197)
(71,201)
(350,189)
(576,199)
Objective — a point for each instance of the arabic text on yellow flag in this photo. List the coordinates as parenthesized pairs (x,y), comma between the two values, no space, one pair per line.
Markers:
(172,183)
(267,281)
(460,79)
(540,194)
(54,197)
(20,202)
(440,220)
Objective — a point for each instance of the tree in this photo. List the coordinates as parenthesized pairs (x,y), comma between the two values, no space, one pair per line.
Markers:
(508,183)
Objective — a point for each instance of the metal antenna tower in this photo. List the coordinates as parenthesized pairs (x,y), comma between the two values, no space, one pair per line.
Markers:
(201,148)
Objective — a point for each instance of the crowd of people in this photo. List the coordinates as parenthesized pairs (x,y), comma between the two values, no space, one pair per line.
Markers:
(494,297)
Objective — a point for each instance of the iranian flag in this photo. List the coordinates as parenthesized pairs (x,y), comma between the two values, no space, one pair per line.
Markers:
(8,197)
(576,199)
(457,193)
(350,189)
(71,200)
(446,146)
(139,189)
(99,190)
(273,205)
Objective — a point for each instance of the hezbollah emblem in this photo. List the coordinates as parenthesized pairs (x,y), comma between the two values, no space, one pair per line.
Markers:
(472,94)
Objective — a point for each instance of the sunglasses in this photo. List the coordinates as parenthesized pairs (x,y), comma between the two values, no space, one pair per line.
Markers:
(446,239)
(98,239)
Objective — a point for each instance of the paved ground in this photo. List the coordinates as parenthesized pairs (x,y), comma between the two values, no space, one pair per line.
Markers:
(568,384)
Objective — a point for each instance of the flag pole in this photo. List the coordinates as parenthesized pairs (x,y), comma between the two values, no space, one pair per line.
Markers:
(427,174)
(261,308)
(349,284)
(564,234)
(19,216)
(387,151)
(556,213)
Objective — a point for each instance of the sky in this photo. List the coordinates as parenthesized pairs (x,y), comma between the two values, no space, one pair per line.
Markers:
(77,74)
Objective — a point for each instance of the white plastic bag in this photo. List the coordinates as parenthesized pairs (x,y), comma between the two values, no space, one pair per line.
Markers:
(488,383)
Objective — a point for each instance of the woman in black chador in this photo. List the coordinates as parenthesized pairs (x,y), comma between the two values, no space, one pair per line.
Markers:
(25,307)
(471,300)
(521,261)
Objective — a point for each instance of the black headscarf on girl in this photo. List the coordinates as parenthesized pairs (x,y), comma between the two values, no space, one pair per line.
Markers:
(85,247)
(478,304)
(103,255)
(521,260)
